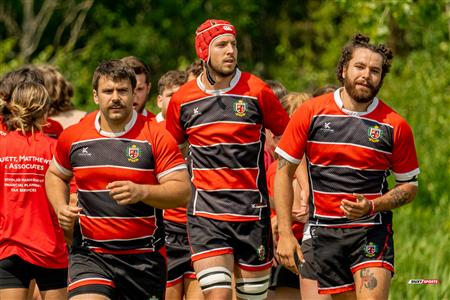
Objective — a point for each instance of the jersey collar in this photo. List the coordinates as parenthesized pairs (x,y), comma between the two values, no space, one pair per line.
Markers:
(233,82)
(128,126)
(340,104)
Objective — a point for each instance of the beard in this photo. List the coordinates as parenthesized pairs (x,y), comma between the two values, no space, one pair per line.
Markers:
(221,73)
(361,96)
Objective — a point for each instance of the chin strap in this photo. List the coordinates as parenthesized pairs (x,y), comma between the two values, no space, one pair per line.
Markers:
(208,74)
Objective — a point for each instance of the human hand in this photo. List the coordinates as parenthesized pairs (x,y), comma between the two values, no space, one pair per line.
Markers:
(66,217)
(125,192)
(286,251)
(358,209)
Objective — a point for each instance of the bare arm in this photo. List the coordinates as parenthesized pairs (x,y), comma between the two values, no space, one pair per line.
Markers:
(287,244)
(173,190)
(400,195)
(57,189)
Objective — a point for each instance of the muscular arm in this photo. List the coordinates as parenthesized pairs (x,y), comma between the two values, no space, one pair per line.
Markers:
(400,195)
(287,244)
(173,190)
(57,189)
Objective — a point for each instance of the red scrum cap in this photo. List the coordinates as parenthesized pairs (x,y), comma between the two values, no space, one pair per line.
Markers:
(207,32)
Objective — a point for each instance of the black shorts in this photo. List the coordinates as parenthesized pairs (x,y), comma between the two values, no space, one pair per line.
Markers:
(250,242)
(178,253)
(17,273)
(340,252)
(308,269)
(125,276)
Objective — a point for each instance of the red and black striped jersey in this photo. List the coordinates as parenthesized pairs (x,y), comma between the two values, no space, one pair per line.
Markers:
(348,152)
(225,132)
(142,153)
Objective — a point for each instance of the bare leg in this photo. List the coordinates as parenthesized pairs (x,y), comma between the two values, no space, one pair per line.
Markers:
(309,290)
(192,289)
(13,294)
(372,283)
(226,261)
(175,292)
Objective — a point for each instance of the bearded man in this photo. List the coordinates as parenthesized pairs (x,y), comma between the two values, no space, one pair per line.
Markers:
(222,115)
(352,141)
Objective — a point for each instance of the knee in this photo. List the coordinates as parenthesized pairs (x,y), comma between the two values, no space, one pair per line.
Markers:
(214,278)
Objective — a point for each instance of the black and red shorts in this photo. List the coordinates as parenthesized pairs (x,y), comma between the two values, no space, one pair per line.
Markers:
(340,252)
(249,242)
(17,273)
(178,253)
(124,276)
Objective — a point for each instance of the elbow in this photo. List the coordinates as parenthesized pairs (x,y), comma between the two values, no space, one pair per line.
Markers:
(185,195)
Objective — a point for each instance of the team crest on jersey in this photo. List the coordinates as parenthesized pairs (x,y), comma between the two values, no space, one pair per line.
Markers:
(375,134)
(370,249)
(240,108)
(261,253)
(133,153)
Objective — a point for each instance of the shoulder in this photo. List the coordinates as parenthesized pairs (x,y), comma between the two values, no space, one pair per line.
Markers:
(187,92)
(391,116)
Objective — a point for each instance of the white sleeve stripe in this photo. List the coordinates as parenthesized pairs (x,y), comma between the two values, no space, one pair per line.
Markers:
(62,169)
(287,157)
(406,176)
(166,172)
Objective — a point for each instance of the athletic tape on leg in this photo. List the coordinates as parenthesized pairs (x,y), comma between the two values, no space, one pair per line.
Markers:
(252,288)
(213,278)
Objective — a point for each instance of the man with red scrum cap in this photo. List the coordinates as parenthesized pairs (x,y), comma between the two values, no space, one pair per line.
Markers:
(222,116)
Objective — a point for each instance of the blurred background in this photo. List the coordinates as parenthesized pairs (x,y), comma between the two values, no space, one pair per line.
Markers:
(296,42)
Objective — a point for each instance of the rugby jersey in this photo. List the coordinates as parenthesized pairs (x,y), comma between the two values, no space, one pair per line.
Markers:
(143,153)
(348,152)
(28,224)
(178,214)
(225,132)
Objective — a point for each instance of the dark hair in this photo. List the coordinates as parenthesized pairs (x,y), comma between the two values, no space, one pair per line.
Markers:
(362,41)
(196,68)
(139,66)
(171,78)
(329,88)
(59,89)
(277,88)
(116,70)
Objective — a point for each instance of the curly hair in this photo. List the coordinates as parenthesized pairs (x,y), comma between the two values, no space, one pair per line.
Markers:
(361,41)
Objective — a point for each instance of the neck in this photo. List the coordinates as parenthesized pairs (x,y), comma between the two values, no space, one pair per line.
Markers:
(221,81)
(350,104)
(112,125)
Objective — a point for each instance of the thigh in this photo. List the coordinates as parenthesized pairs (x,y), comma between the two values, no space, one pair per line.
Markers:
(51,279)
(208,238)
(308,269)
(332,259)
(375,249)
(253,245)
(140,276)
(89,274)
(373,283)
(15,273)
(214,275)
(179,264)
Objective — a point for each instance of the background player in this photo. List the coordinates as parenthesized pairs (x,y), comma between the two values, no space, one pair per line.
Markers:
(222,115)
(32,244)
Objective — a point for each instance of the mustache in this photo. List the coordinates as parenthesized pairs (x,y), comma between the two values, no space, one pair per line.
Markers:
(116,104)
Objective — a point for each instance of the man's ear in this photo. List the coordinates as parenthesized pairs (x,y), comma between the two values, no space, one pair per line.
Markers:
(94,92)
(159,101)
